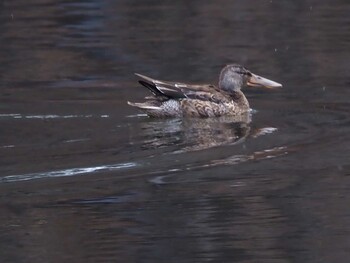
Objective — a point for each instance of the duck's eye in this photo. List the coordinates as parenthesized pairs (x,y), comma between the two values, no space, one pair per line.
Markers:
(244,73)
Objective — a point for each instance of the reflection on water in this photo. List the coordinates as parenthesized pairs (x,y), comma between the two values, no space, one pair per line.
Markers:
(195,134)
(85,178)
(190,134)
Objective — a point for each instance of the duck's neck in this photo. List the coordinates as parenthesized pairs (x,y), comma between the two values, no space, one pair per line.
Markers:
(239,98)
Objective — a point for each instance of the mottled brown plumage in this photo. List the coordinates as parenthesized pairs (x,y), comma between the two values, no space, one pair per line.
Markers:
(175,99)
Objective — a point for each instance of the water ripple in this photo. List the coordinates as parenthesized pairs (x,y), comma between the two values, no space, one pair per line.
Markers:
(231,160)
(50,116)
(66,172)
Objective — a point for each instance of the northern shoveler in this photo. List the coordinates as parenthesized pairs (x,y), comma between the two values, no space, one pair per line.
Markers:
(175,99)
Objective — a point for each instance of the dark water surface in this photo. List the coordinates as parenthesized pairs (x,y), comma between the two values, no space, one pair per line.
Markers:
(86,178)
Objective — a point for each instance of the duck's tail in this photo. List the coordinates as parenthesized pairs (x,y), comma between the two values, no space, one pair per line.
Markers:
(153,108)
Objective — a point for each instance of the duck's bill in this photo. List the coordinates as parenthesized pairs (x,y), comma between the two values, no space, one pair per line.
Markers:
(258,81)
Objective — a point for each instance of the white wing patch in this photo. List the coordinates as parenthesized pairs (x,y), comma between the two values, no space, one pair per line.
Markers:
(180,85)
(163,88)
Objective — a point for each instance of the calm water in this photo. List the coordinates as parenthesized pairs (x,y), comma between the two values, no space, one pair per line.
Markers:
(86,178)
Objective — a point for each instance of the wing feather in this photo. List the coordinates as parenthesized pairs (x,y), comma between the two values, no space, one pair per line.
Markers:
(178,90)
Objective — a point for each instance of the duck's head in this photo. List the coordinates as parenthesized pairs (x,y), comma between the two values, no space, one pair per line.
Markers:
(233,77)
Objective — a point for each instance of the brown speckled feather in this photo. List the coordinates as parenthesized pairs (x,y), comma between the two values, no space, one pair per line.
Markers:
(200,108)
(180,99)
(177,90)
(176,99)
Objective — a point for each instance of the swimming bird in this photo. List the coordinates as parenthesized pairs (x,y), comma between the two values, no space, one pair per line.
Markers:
(176,99)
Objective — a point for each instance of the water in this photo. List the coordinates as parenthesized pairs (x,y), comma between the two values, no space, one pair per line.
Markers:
(86,178)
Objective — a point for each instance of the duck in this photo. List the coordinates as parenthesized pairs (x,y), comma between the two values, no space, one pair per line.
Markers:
(177,99)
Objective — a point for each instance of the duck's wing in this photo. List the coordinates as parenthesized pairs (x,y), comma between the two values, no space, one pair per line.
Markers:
(177,90)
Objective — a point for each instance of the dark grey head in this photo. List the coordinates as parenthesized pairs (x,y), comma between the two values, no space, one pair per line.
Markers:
(233,77)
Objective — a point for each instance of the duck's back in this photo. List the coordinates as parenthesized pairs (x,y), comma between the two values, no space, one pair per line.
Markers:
(174,99)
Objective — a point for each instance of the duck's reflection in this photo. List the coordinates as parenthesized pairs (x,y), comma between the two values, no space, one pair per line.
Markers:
(195,134)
